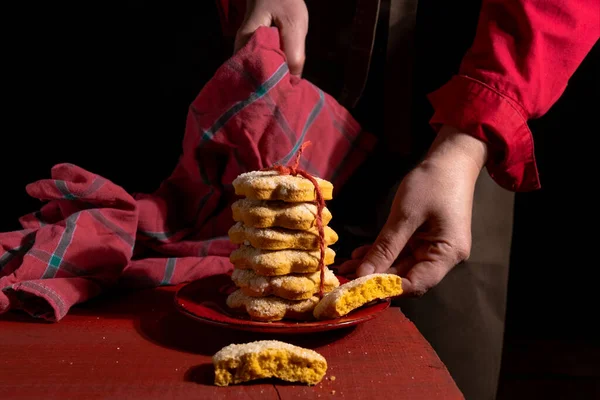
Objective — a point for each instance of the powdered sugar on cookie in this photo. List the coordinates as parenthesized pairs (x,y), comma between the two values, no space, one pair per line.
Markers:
(270,185)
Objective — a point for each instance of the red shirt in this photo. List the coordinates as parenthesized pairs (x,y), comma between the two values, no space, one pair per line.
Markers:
(522,57)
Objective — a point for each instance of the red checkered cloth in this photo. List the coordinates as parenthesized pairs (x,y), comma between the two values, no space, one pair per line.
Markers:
(92,235)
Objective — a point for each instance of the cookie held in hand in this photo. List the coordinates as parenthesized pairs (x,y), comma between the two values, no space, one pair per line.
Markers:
(356,293)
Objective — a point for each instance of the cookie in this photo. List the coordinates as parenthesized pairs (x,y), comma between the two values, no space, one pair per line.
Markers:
(238,363)
(267,214)
(279,262)
(291,287)
(269,185)
(280,238)
(272,308)
(356,293)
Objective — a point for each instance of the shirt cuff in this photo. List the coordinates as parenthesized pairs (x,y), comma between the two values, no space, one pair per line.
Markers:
(479,110)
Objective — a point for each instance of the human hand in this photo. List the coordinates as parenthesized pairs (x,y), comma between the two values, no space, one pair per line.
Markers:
(290,16)
(428,230)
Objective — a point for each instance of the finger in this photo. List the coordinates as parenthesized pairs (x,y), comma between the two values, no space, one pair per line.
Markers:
(348,267)
(254,21)
(424,276)
(402,266)
(360,252)
(293,37)
(387,247)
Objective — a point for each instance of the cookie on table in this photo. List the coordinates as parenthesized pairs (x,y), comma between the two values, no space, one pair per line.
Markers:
(238,363)
(291,287)
(267,214)
(280,238)
(272,308)
(269,185)
(279,262)
(356,293)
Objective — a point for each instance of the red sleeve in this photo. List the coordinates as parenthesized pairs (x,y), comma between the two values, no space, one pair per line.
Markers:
(231,14)
(522,57)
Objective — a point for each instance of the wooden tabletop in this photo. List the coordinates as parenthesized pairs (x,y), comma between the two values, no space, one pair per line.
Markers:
(137,346)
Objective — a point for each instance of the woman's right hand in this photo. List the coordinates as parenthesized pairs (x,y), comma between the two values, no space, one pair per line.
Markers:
(290,16)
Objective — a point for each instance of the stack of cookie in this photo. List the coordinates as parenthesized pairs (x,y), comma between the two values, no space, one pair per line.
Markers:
(277,269)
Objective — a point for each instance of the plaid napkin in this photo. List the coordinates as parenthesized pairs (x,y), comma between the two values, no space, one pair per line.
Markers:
(91,235)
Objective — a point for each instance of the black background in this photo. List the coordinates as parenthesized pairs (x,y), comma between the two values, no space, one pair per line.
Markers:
(106,86)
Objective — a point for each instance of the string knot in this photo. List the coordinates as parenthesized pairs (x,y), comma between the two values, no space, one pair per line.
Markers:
(293,169)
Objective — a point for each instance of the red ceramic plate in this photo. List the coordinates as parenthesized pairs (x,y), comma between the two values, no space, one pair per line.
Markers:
(204,300)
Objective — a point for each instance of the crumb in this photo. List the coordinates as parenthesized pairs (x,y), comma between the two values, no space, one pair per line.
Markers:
(365,352)
(71,363)
(349,352)
(412,377)
(103,337)
(332,377)
(333,392)
(117,362)
(118,348)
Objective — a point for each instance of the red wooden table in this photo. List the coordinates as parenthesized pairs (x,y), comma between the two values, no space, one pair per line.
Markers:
(137,346)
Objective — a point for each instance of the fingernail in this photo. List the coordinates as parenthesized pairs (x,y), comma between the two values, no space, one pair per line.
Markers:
(366,269)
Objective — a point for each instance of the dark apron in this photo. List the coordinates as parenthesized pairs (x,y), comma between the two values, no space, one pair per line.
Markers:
(393,58)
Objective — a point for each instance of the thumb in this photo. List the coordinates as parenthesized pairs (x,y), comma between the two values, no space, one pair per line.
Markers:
(254,21)
(293,38)
(423,276)
(388,245)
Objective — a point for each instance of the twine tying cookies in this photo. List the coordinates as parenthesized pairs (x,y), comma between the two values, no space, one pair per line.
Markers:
(294,170)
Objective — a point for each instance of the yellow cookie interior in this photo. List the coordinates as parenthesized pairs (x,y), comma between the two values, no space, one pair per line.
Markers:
(356,293)
(270,363)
